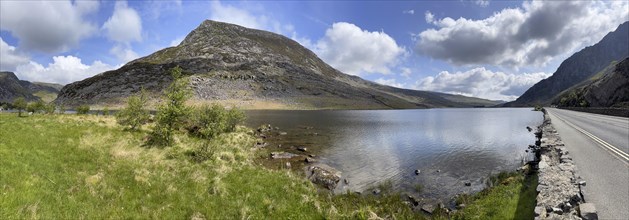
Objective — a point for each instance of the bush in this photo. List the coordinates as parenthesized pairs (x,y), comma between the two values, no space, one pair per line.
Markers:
(35,107)
(62,108)
(49,108)
(83,109)
(20,105)
(171,114)
(106,110)
(210,121)
(134,115)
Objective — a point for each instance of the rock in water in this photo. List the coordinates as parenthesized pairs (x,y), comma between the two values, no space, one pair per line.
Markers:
(417,172)
(283,155)
(323,175)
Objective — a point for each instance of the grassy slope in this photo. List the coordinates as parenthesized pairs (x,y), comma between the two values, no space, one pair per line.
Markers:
(73,167)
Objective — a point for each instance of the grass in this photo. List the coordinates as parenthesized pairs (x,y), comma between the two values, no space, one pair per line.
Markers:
(512,197)
(87,167)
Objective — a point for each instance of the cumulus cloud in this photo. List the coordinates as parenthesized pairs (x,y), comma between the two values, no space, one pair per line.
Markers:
(355,51)
(230,14)
(63,70)
(530,35)
(483,83)
(406,72)
(389,82)
(48,26)
(430,18)
(123,53)
(9,57)
(482,3)
(124,25)
(410,12)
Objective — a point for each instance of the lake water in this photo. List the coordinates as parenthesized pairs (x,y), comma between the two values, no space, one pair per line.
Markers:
(449,146)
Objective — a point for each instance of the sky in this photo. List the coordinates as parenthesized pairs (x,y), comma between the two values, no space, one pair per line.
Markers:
(488,49)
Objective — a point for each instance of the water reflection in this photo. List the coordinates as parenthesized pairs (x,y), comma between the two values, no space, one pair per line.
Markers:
(449,146)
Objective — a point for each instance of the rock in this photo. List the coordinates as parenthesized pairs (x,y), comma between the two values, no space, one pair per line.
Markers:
(540,211)
(283,133)
(197,216)
(438,171)
(283,155)
(542,165)
(260,145)
(417,172)
(582,183)
(302,149)
(428,208)
(376,191)
(557,210)
(346,181)
(587,211)
(323,175)
(312,155)
(467,183)
(288,165)
(309,160)
(529,128)
(461,206)
(413,200)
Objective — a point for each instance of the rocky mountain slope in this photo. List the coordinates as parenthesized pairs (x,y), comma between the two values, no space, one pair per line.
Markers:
(11,88)
(610,87)
(252,69)
(578,67)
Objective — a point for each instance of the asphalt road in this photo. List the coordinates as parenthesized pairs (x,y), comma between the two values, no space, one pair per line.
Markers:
(599,145)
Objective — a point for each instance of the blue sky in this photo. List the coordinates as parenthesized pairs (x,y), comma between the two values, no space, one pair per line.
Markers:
(488,49)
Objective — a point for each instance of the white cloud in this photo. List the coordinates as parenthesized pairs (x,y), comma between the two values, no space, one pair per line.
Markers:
(482,3)
(410,12)
(9,57)
(354,51)
(123,53)
(63,70)
(47,26)
(230,14)
(430,18)
(177,41)
(389,82)
(406,72)
(533,34)
(124,25)
(483,83)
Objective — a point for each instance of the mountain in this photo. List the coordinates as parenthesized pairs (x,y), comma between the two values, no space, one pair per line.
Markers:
(578,67)
(252,69)
(609,87)
(11,87)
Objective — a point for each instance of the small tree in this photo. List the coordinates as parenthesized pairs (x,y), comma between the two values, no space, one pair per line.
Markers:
(49,108)
(134,115)
(210,121)
(20,105)
(172,112)
(82,109)
(35,107)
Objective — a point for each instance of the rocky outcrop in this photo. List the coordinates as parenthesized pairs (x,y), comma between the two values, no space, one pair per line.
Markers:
(578,67)
(11,88)
(252,69)
(323,175)
(559,189)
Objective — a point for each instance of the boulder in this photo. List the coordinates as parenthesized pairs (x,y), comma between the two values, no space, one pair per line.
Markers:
(587,211)
(283,155)
(428,208)
(323,175)
(417,172)
(302,149)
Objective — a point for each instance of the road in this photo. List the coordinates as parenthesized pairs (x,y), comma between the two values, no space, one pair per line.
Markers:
(599,145)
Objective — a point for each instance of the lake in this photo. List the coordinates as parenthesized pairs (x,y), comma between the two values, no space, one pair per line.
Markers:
(449,146)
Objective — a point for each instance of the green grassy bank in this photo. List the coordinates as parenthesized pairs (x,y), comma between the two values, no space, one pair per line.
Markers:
(87,167)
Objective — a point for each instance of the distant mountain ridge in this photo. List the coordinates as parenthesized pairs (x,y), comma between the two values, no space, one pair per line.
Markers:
(252,69)
(579,67)
(11,88)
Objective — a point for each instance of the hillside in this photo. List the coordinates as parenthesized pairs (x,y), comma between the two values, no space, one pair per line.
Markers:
(607,88)
(251,69)
(11,88)
(579,67)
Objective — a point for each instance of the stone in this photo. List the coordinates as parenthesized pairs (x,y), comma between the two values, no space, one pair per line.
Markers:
(346,181)
(309,160)
(312,155)
(428,208)
(542,165)
(417,172)
(467,183)
(323,175)
(557,211)
(197,216)
(539,211)
(288,165)
(283,155)
(302,149)
(582,183)
(283,133)
(587,211)
(529,128)
(413,200)
(376,191)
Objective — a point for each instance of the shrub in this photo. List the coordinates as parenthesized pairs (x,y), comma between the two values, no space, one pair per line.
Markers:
(210,121)
(106,110)
(134,115)
(20,105)
(171,113)
(34,107)
(49,108)
(62,108)
(82,109)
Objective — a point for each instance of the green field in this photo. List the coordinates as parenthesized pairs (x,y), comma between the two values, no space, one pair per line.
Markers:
(86,167)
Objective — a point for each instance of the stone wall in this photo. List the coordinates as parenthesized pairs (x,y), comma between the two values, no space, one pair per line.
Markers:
(559,190)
